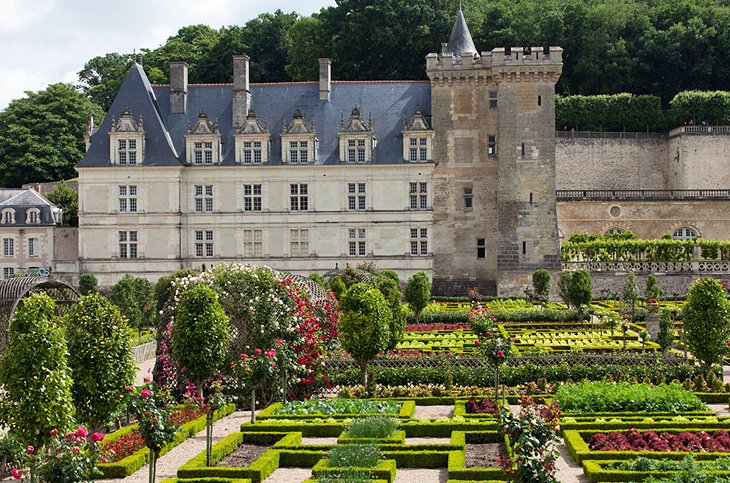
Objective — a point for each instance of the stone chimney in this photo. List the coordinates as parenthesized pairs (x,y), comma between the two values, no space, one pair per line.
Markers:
(241,93)
(325,79)
(178,87)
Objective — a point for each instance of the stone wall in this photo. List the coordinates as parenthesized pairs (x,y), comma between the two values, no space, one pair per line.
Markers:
(611,163)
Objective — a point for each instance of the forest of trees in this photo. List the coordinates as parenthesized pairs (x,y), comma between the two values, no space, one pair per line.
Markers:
(654,49)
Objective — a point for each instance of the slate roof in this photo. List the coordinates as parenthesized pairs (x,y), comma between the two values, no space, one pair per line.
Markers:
(23,199)
(388,102)
(460,41)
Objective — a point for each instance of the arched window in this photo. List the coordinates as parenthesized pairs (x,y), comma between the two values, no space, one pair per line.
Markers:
(614,231)
(8,216)
(33,216)
(684,233)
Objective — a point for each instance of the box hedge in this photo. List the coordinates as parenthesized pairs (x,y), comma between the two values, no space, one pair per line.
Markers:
(384,471)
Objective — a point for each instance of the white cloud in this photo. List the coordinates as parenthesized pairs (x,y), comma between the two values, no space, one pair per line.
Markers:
(46,41)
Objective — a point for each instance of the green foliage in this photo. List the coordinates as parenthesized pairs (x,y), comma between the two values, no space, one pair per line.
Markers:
(564,285)
(34,373)
(665,337)
(339,406)
(66,198)
(590,397)
(580,290)
(531,439)
(42,135)
(418,292)
(102,76)
(134,297)
(321,281)
(338,287)
(355,456)
(100,359)
(379,427)
(642,463)
(153,407)
(706,318)
(364,324)
(200,334)
(88,284)
(391,291)
(617,112)
(629,295)
(652,290)
(541,283)
(164,286)
(608,250)
(696,107)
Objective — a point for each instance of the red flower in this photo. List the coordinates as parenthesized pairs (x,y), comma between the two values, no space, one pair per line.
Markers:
(16,474)
(145,393)
(500,353)
(54,432)
(96,437)
(30,449)
(476,342)
(82,432)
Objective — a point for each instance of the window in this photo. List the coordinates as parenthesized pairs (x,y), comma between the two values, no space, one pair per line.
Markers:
(356,196)
(418,194)
(8,216)
(356,151)
(252,152)
(299,152)
(491,145)
(203,243)
(419,241)
(128,199)
(524,248)
(203,198)
(8,247)
(299,242)
(684,233)
(252,197)
(8,272)
(203,152)
(127,152)
(127,244)
(299,199)
(418,149)
(356,241)
(614,231)
(539,101)
(253,243)
(481,248)
(33,247)
(492,99)
(468,198)
(33,216)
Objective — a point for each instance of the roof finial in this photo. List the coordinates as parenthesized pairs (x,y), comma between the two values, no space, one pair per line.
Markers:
(459,4)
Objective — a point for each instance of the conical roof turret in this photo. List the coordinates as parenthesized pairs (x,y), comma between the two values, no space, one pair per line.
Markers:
(460,41)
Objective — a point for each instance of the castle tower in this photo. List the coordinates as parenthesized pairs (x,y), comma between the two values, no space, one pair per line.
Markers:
(494,148)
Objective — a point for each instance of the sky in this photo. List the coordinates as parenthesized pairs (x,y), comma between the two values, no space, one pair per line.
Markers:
(47,41)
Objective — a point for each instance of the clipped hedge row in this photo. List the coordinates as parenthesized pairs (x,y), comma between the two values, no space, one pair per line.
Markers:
(384,471)
(407,411)
(457,470)
(595,472)
(511,315)
(133,462)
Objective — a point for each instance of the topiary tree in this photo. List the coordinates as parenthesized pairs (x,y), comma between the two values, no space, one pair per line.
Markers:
(88,284)
(707,320)
(580,290)
(564,286)
(364,325)
(35,375)
(200,338)
(629,295)
(652,290)
(391,291)
(541,283)
(135,299)
(100,359)
(418,292)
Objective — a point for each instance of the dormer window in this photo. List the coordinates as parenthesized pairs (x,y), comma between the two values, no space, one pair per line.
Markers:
(417,139)
(126,140)
(357,139)
(202,142)
(252,141)
(33,216)
(8,216)
(298,140)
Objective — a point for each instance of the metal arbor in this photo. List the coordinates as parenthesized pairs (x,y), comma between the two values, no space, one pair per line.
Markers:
(13,290)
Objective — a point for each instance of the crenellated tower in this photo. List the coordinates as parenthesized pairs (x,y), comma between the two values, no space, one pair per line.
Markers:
(493,114)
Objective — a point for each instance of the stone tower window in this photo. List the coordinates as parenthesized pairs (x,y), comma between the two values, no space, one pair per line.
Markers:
(252,141)
(357,139)
(202,142)
(298,141)
(481,248)
(492,99)
(491,145)
(468,198)
(126,140)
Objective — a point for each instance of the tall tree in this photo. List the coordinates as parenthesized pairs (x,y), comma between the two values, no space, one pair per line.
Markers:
(42,135)
(102,76)
(66,198)
(706,318)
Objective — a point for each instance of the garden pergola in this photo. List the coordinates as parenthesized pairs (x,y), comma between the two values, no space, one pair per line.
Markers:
(13,290)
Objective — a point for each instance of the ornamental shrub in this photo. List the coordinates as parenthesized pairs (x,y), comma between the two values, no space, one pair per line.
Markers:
(100,359)
(564,286)
(541,284)
(418,291)
(364,325)
(706,318)
(88,284)
(580,290)
(390,290)
(34,373)
(652,290)
(134,297)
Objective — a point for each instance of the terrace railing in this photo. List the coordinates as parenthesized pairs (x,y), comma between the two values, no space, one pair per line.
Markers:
(641,195)
(608,135)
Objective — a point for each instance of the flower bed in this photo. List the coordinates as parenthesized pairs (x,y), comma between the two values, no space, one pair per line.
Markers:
(624,396)
(632,440)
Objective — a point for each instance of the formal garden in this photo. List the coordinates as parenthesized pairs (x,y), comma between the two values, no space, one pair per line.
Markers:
(359,375)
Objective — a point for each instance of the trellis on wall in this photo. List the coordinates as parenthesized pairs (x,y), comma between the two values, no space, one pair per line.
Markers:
(13,290)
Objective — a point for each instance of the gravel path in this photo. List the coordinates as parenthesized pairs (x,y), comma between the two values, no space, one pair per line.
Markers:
(167,465)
